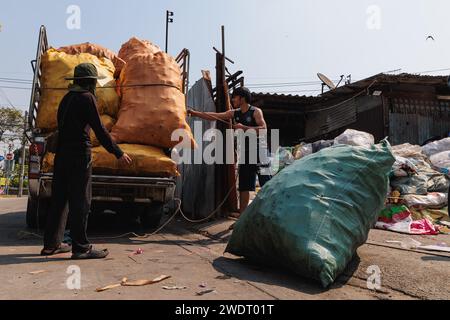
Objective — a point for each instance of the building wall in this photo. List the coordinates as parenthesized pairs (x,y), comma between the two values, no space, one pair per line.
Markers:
(417,120)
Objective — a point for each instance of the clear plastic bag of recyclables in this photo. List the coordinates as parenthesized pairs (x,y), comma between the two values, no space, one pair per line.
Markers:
(315,213)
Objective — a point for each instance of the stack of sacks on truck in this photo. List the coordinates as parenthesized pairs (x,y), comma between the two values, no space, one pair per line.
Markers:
(418,199)
(148,160)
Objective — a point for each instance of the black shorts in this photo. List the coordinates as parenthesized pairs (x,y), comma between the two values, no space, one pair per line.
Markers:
(247,177)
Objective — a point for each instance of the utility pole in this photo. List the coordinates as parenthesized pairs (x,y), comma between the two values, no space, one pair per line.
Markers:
(24,143)
(169,14)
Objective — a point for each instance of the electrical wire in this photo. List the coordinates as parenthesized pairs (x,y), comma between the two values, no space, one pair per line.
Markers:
(347,100)
(147,235)
(16,88)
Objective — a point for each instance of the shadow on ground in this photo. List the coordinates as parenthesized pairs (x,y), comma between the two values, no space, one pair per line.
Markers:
(246,270)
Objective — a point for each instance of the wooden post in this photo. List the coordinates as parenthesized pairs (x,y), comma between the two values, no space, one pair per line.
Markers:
(225,173)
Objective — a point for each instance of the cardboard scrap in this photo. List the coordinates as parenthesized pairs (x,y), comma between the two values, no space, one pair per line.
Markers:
(37,272)
(201,293)
(139,283)
(112,286)
(136,283)
(435,248)
(174,288)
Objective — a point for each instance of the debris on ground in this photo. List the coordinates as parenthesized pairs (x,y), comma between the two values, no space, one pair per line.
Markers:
(201,293)
(112,286)
(37,272)
(139,283)
(174,287)
(136,283)
(407,243)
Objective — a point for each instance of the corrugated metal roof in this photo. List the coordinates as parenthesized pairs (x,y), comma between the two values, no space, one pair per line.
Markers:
(381,78)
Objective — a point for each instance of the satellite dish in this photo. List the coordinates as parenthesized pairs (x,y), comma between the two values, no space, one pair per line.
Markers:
(326,81)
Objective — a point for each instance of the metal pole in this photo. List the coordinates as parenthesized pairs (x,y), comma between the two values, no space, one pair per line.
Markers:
(24,142)
(167,29)
(223,47)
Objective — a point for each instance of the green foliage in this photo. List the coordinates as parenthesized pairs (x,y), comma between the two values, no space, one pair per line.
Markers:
(11,120)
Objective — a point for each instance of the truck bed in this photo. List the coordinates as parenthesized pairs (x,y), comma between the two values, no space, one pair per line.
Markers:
(121,188)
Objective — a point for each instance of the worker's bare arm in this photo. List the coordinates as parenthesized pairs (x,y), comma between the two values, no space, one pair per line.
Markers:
(212,115)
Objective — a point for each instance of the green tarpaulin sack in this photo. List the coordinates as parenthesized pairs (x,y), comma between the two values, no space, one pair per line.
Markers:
(314,214)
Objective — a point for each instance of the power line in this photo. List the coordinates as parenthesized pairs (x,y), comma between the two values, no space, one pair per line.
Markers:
(9,101)
(19,88)
(436,70)
(16,79)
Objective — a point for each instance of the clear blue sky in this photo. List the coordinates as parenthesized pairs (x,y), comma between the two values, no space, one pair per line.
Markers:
(271,41)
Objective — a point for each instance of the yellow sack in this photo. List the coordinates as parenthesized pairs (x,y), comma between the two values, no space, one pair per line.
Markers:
(147,162)
(56,66)
(48,162)
(108,123)
(96,50)
(151,88)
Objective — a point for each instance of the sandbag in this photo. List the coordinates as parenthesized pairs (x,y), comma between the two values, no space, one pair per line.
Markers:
(98,51)
(147,162)
(314,214)
(355,138)
(56,66)
(108,123)
(151,88)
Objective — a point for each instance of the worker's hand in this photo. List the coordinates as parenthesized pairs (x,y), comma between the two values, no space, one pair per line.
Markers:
(239,126)
(191,113)
(125,160)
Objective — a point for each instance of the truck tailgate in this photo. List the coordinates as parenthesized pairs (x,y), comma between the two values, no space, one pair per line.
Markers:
(122,188)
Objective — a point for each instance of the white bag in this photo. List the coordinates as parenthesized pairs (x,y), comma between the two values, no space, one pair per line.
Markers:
(431,200)
(355,138)
(435,147)
(441,160)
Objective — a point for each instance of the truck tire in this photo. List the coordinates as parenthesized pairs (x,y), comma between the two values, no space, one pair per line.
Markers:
(37,210)
(32,215)
(150,214)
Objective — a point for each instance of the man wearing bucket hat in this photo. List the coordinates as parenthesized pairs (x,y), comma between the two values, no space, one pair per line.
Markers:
(77,115)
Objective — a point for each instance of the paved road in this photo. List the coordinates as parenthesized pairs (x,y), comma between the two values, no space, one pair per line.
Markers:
(193,257)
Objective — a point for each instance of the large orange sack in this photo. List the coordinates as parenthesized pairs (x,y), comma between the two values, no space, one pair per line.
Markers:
(153,105)
(136,46)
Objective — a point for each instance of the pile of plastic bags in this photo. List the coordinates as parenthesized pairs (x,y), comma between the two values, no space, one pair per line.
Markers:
(419,189)
(417,200)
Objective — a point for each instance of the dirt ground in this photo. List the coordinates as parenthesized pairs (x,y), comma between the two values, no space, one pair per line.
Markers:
(193,256)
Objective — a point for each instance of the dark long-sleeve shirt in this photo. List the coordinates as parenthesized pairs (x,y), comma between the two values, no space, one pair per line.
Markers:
(80,113)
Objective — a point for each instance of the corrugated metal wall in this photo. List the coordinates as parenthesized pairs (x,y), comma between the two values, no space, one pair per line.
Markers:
(415,121)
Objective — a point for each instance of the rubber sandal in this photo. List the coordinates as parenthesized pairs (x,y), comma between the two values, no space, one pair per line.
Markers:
(91,254)
(51,252)
(235,215)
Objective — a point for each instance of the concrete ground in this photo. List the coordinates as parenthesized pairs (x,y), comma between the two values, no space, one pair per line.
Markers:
(193,256)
